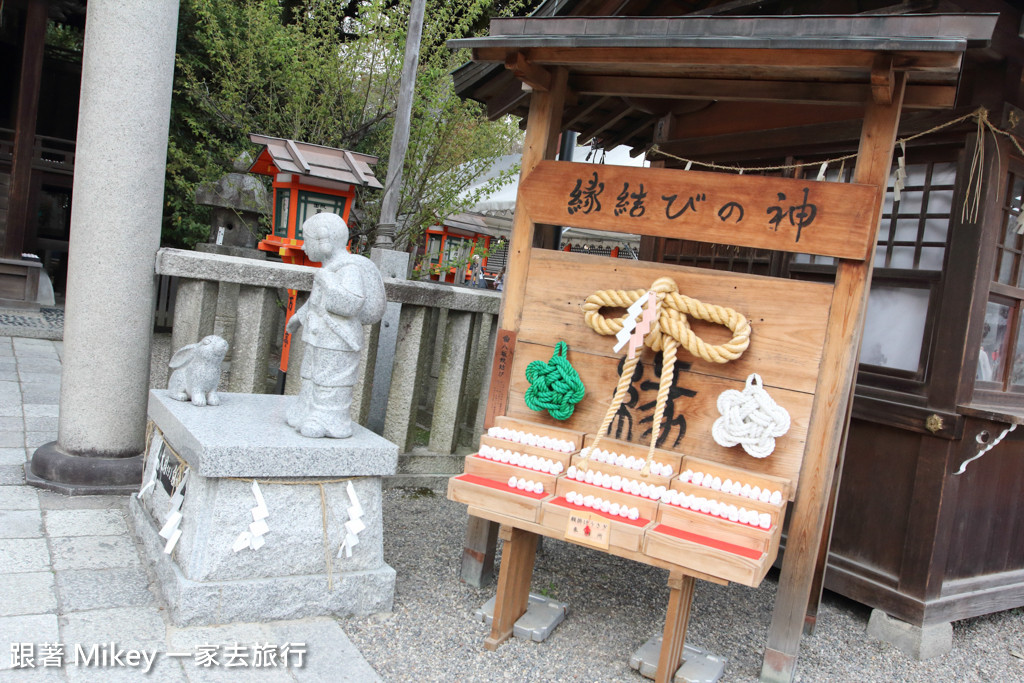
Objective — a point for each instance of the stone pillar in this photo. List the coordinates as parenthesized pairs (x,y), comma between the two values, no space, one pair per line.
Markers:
(127,74)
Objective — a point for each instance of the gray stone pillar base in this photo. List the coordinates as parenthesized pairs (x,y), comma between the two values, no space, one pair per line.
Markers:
(920,642)
(203,603)
(55,469)
(541,617)
(699,665)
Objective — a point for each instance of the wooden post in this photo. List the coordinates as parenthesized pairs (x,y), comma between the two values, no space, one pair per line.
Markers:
(829,417)
(478,561)
(677,619)
(513,583)
(18,214)
(541,143)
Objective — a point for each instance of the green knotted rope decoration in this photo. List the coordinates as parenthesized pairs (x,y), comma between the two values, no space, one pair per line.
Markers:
(555,386)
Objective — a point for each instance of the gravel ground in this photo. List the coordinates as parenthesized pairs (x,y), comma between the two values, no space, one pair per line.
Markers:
(615,605)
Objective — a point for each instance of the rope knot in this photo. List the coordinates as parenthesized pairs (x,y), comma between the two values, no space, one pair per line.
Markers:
(750,418)
(555,386)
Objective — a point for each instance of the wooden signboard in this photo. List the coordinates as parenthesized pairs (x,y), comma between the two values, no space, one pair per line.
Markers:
(828,219)
(803,344)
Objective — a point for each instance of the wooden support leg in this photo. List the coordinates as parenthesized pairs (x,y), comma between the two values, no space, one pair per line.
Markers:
(478,551)
(513,583)
(678,618)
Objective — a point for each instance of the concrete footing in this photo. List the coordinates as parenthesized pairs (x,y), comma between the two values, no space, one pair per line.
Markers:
(920,642)
(699,665)
(542,616)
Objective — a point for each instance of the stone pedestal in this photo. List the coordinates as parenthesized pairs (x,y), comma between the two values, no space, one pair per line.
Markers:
(919,642)
(203,579)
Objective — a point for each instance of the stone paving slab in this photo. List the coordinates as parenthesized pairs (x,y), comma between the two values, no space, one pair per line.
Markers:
(10,406)
(18,498)
(41,424)
(21,524)
(12,438)
(34,440)
(41,393)
(137,628)
(49,500)
(13,456)
(23,555)
(42,410)
(101,522)
(93,552)
(35,628)
(87,589)
(12,474)
(27,593)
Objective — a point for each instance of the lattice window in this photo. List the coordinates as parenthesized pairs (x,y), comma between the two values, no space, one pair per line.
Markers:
(1001,357)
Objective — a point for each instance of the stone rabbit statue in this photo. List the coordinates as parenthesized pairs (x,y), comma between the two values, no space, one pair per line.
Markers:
(197,371)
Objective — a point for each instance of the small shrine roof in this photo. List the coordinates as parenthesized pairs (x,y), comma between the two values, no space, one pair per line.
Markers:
(316,161)
(625,73)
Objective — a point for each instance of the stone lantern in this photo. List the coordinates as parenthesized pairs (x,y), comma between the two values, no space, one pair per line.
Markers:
(238,201)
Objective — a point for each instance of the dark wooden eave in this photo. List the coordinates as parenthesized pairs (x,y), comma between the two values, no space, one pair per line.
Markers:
(627,73)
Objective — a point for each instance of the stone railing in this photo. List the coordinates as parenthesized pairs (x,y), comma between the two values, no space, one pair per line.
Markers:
(423,380)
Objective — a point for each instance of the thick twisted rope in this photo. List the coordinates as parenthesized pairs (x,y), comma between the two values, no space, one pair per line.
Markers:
(670,330)
(555,386)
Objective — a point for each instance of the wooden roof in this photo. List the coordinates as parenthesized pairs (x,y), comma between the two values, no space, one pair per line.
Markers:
(315,161)
(626,73)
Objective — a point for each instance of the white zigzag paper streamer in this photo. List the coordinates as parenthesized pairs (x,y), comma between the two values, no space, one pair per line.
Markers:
(629,324)
(354,525)
(253,537)
(172,527)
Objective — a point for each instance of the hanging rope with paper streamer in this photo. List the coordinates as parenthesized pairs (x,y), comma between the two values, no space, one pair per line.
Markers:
(555,386)
(664,327)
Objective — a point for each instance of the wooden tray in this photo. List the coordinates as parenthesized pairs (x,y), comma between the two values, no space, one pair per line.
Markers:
(645,506)
(745,476)
(637,451)
(476,491)
(541,429)
(500,472)
(730,550)
(624,533)
(556,456)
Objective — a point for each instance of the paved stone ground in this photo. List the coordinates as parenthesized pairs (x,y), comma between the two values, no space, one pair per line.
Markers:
(71,574)
(46,323)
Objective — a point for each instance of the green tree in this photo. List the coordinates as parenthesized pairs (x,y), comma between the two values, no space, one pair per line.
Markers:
(326,72)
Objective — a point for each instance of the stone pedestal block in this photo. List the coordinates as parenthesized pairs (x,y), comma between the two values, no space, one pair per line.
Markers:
(919,642)
(204,580)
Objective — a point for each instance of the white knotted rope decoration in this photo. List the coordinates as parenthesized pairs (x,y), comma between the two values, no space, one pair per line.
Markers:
(750,418)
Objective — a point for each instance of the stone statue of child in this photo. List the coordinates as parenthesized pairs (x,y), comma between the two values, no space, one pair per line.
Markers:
(348,292)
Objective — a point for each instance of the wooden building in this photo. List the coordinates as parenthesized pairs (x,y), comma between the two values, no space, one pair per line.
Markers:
(39,88)
(917,533)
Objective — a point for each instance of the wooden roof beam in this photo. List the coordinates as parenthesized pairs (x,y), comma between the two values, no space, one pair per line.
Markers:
(921,96)
(589,135)
(625,138)
(627,57)
(883,80)
(536,77)
(573,117)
